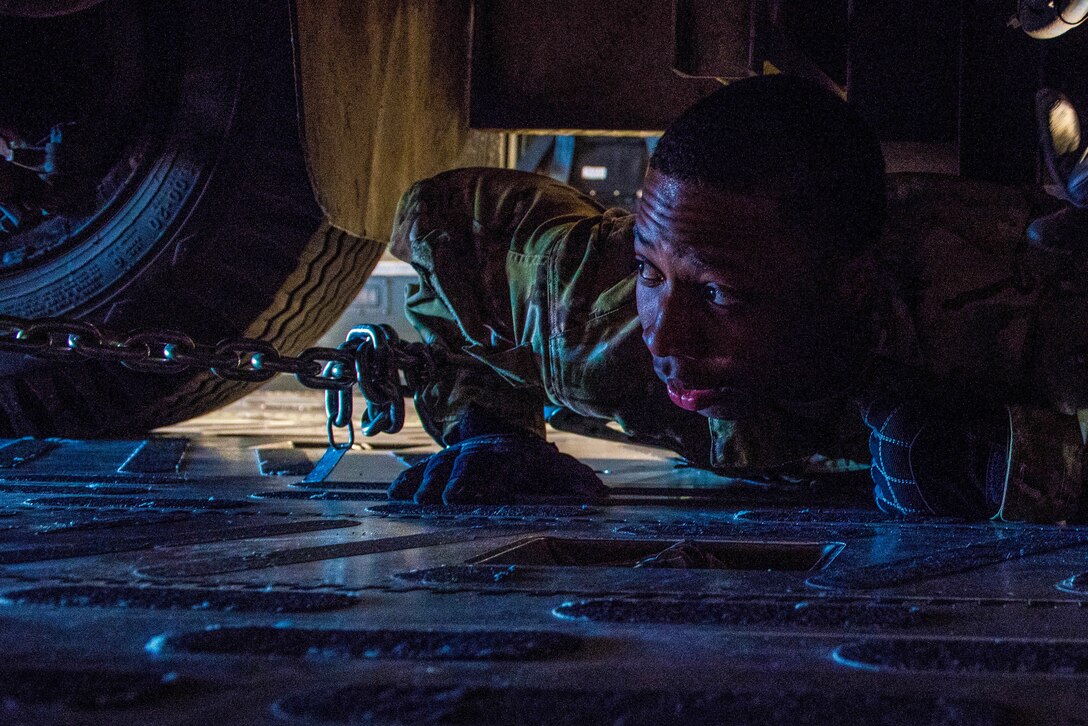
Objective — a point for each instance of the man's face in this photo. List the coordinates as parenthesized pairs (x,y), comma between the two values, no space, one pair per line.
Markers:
(735,310)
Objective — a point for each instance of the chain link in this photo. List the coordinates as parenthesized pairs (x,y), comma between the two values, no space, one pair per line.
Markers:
(385,368)
(388,370)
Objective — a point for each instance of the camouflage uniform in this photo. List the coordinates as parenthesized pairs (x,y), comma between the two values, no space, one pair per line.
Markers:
(528,287)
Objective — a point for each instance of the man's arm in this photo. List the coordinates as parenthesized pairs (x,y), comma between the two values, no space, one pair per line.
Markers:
(480,240)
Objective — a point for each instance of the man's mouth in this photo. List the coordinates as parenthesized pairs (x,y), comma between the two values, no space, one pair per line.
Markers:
(692,399)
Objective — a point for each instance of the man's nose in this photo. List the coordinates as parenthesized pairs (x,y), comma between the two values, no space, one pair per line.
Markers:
(670,330)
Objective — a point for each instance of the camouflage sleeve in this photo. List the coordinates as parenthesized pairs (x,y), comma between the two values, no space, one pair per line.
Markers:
(473,236)
(1044,480)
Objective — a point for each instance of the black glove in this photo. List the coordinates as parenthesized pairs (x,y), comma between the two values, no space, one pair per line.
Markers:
(507,468)
(929,459)
(1065,151)
(1066,229)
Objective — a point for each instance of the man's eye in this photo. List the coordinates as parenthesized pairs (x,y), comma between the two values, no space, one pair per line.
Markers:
(720,297)
(647,272)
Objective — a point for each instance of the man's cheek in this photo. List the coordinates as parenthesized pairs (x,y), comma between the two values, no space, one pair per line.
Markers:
(760,351)
(643,305)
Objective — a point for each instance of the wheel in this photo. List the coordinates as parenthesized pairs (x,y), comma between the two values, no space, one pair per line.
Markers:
(164,186)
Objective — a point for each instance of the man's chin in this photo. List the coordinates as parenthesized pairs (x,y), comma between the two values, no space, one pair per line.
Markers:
(730,410)
(732,404)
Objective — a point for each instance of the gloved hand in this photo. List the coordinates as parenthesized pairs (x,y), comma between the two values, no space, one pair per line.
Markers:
(1066,229)
(929,459)
(512,468)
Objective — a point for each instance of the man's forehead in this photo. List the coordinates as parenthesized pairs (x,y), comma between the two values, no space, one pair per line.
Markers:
(672,192)
(672,211)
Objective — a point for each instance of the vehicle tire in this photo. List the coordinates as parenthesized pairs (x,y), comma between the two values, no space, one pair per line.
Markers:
(205,222)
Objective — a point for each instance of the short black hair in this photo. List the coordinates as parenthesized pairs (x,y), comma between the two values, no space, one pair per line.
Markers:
(785,137)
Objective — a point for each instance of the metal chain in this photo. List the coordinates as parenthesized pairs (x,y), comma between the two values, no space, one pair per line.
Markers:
(385,368)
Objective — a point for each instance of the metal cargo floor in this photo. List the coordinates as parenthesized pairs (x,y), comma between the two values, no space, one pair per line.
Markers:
(191,578)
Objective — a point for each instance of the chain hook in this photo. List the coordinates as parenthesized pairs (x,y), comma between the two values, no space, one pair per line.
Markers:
(378,374)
